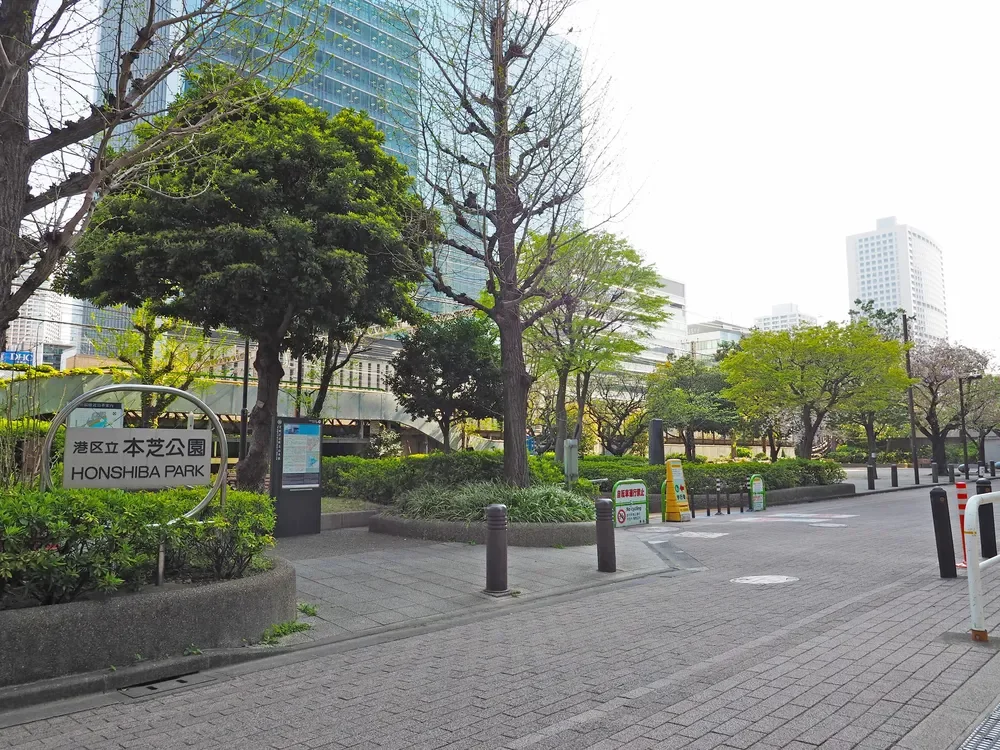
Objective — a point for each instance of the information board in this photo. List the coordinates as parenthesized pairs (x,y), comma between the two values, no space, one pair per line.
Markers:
(631,502)
(757,497)
(137,459)
(301,451)
(104,414)
(675,503)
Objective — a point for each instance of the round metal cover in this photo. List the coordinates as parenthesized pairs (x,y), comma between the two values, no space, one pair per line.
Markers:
(763,580)
(829,525)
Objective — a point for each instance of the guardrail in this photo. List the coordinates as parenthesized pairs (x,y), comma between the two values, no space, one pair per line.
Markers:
(976,562)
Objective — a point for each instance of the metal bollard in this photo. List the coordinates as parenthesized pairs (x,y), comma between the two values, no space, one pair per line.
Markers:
(718,497)
(993,468)
(729,507)
(987,527)
(934,473)
(496,549)
(606,559)
(708,504)
(942,533)
(894,475)
(951,473)
(871,477)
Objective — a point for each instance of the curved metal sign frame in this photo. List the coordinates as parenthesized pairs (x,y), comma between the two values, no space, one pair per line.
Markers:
(217,488)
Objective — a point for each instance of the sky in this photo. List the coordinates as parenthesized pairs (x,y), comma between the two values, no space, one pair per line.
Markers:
(755,136)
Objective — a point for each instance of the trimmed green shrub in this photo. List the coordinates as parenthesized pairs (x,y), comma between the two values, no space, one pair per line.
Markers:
(467,502)
(58,546)
(381,480)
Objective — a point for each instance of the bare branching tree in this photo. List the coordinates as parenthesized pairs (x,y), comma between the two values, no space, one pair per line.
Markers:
(66,114)
(505,119)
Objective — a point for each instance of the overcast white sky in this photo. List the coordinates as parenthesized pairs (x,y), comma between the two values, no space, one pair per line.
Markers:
(758,135)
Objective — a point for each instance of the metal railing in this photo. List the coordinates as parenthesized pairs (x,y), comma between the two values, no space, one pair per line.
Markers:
(976,562)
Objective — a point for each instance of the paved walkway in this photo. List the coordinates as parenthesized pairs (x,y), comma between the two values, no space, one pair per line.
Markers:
(863,648)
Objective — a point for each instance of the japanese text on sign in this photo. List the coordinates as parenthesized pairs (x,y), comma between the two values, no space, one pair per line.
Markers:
(631,505)
(136,459)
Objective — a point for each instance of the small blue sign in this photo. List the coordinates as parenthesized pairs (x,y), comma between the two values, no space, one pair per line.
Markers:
(17,358)
(530,441)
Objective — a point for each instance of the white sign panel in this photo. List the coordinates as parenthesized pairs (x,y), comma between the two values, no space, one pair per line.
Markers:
(137,459)
(97,414)
(631,503)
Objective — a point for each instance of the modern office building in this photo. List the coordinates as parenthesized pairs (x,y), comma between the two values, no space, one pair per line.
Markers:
(898,266)
(42,328)
(784,318)
(668,340)
(704,339)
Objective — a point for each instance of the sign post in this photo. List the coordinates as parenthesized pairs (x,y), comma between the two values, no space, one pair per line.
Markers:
(675,498)
(631,503)
(295,475)
(758,498)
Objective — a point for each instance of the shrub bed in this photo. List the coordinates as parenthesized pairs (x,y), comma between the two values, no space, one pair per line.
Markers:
(381,480)
(468,502)
(789,472)
(59,546)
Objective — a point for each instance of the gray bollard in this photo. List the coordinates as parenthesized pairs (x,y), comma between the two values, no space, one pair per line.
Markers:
(934,473)
(606,559)
(951,473)
(496,549)
(987,527)
(942,533)
(656,442)
(894,474)
(871,477)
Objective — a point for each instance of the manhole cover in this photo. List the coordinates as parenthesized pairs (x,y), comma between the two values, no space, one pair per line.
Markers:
(763,580)
(829,525)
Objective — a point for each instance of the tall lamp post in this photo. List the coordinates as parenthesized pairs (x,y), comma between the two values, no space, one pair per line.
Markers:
(909,398)
(961,411)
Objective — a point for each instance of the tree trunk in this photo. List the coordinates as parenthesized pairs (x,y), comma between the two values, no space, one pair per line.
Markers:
(324,381)
(772,441)
(149,416)
(16,18)
(809,429)
(582,388)
(250,472)
(687,434)
(562,419)
(872,447)
(445,424)
(515,398)
(938,442)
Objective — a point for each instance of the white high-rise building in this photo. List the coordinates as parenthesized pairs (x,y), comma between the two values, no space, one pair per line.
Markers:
(784,318)
(704,339)
(899,266)
(668,340)
(42,326)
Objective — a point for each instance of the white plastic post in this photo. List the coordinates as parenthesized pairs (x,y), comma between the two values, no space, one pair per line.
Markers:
(976,564)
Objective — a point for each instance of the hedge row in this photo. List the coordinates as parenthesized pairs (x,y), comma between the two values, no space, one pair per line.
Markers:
(382,480)
(58,546)
(789,472)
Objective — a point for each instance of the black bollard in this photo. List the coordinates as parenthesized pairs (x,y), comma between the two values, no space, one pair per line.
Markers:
(496,549)
(942,533)
(894,474)
(987,528)
(951,473)
(729,508)
(871,477)
(934,473)
(606,559)
(656,442)
(993,468)
(718,497)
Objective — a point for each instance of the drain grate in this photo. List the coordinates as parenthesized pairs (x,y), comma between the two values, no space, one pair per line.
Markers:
(987,734)
(165,686)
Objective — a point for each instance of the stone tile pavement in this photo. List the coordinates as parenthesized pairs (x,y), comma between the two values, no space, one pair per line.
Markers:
(864,649)
(359,584)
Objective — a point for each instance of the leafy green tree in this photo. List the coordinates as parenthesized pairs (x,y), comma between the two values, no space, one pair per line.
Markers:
(618,407)
(610,301)
(888,323)
(814,371)
(688,395)
(292,223)
(159,351)
(937,368)
(449,370)
(983,412)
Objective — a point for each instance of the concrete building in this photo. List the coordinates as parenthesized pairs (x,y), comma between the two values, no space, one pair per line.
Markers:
(669,339)
(784,318)
(42,328)
(704,339)
(898,266)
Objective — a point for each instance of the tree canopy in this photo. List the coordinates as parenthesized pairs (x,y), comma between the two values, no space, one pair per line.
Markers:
(449,370)
(294,225)
(814,371)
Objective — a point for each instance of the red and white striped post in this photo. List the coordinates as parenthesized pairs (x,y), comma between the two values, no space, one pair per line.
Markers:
(963,498)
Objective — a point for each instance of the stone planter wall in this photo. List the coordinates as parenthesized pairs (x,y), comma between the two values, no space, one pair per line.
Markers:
(62,639)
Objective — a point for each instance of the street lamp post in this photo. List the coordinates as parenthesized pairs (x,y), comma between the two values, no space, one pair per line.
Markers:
(961,411)
(909,398)
(244,414)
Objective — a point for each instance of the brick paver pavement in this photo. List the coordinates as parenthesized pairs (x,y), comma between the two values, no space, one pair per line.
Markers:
(850,655)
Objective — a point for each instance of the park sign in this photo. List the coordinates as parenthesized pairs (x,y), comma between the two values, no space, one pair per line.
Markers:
(136,459)
(631,502)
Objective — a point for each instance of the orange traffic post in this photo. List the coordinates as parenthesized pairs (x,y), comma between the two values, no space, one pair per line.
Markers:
(963,498)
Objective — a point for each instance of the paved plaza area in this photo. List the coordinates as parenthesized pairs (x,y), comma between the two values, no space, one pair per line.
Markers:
(851,642)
